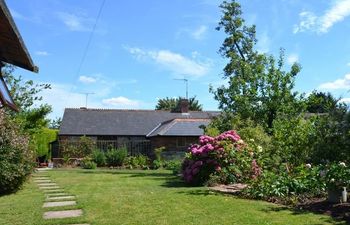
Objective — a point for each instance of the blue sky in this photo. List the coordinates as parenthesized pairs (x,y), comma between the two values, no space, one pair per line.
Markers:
(140,47)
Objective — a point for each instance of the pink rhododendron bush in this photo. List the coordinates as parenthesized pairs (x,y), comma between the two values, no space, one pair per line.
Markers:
(222,159)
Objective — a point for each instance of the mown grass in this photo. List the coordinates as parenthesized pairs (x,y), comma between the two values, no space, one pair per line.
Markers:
(145,197)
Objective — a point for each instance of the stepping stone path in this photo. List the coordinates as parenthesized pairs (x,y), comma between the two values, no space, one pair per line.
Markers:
(56,197)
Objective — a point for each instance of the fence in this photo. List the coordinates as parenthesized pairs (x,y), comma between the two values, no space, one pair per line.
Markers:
(137,147)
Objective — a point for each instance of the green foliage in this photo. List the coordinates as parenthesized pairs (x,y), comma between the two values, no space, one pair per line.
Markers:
(77,149)
(292,140)
(137,162)
(42,140)
(173,165)
(287,185)
(258,87)
(320,102)
(157,164)
(55,123)
(25,94)
(172,104)
(16,158)
(98,157)
(158,153)
(116,157)
(87,163)
(86,146)
(337,176)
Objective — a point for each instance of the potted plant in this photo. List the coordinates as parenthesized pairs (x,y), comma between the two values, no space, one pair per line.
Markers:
(337,179)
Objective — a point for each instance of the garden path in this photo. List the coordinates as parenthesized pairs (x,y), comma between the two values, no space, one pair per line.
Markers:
(56,198)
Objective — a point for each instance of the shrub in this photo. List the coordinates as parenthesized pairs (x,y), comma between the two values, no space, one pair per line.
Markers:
(139,161)
(158,153)
(173,165)
(16,158)
(98,157)
(79,149)
(337,176)
(286,185)
(116,157)
(87,163)
(226,156)
(157,164)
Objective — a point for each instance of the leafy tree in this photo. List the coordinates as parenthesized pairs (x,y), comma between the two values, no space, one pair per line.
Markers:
(31,116)
(172,104)
(321,102)
(258,87)
(55,123)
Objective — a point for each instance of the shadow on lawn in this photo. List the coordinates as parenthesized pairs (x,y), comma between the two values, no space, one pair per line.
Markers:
(339,212)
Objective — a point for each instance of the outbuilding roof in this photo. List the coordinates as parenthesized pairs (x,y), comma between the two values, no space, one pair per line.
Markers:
(180,127)
(12,47)
(130,122)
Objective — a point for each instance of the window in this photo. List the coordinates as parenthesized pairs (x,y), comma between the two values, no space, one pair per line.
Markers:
(181,142)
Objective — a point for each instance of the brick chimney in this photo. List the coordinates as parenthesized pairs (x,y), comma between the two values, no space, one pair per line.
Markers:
(184,106)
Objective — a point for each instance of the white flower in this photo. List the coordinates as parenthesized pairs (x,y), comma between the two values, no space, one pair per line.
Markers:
(308,165)
(332,180)
(260,149)
(342,164)
(240,141)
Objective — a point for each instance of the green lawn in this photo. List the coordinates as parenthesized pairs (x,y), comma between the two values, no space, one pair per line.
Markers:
(144,197)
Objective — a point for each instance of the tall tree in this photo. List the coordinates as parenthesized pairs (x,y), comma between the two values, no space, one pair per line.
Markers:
(258,87)
(172,104)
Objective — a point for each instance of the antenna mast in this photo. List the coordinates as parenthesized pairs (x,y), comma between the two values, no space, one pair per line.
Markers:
(86,97)
(186,81)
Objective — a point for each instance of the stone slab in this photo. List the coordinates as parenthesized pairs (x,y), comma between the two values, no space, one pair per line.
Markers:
(49,195)
(42,181)
(47,184)
(52,190)
(45,169)
(79,224)
(49,187)
(67,197)
(62,214)
(57,204)
(40,177)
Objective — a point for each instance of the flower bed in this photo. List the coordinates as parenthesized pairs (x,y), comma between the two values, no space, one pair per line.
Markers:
(222,159)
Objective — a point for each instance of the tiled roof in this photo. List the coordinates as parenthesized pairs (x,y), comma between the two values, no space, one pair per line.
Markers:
(180,127)
(125,122)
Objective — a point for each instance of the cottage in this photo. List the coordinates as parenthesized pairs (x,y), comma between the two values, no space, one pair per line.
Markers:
(173,130)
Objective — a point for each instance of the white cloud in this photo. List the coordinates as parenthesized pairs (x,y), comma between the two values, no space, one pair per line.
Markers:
(42,53)
(345,100)
(348,64)
(321,24)
(121,102)
(62,96)
(75,22)
(308,21)
(174,62)
(337,84)
(292,58)
(87,79)
(199,33)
